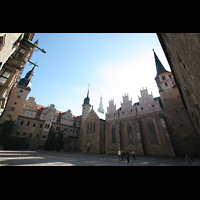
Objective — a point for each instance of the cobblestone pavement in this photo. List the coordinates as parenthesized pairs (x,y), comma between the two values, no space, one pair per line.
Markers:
(46,158)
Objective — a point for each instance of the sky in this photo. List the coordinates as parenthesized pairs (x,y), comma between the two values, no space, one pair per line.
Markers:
(113,64)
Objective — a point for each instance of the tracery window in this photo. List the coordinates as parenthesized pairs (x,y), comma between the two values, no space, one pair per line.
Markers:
(113,135)
(91,127)
(94,127)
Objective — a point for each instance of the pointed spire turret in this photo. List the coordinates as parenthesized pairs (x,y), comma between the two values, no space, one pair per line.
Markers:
(159,67)
(101,110)
(30,74)
(87,99)
(26,82)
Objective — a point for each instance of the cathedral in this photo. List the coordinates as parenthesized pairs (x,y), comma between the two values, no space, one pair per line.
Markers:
(152,126)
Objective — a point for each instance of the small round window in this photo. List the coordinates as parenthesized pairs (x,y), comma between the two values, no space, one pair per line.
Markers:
(21,91)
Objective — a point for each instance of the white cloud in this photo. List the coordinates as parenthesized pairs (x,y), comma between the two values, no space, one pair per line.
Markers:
(127,76)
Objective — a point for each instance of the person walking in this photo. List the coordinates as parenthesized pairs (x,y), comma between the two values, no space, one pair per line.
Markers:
(127,156)
(122,155)
(119,153)
(133,155)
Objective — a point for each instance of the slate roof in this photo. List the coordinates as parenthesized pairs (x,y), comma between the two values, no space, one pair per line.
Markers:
(159,67)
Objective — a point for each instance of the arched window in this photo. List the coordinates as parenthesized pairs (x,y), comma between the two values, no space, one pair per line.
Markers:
(152,133)
(130,134)
(113,135)
(94,127)
(90,127)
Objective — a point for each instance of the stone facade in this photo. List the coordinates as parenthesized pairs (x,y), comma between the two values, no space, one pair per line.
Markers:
(93,134)
(15,51)
(182,132)
(139,127)
(164,126)
(8,44)
(182,52)
(35,121)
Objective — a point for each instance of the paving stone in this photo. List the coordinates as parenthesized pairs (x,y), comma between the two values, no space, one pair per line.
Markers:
(48,158)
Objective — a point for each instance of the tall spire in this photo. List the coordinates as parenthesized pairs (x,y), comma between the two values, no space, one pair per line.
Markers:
(87,99)
(26,82)
(159,67)
(101,110)
(88,91)
(30,74)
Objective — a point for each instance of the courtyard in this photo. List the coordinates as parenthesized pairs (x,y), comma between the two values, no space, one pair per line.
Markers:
(49,158)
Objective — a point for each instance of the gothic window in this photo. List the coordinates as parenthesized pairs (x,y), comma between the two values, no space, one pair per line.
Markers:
(152,133)
(88,128)
(130,134)
(113,135)
(93,127)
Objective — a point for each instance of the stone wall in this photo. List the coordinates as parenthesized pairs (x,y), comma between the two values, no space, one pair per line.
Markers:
(182,51)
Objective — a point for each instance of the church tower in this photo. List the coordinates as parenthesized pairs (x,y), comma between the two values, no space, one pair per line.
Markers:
(85,108)
(17,99)
(85,112)
(184,139)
